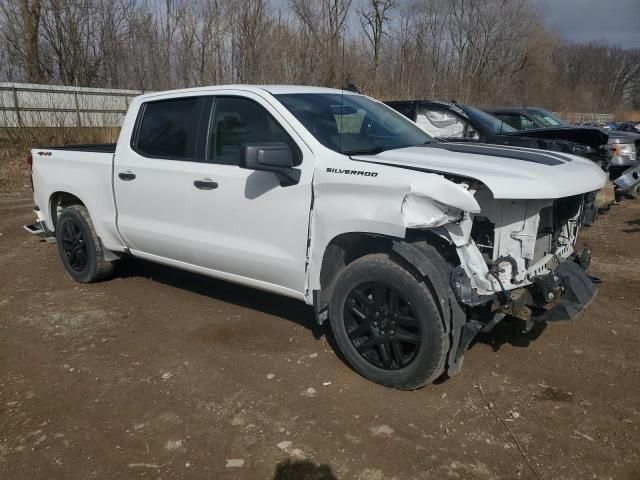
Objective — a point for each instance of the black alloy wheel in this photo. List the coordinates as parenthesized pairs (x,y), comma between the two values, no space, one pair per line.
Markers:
(386,323)
(382,326)
(74,245)
(79,247)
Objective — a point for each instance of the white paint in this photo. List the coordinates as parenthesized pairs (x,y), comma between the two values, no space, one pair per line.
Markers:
(506,178)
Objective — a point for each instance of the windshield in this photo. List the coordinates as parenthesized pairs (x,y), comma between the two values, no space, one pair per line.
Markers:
(353,124)
(548,119)
(491,123)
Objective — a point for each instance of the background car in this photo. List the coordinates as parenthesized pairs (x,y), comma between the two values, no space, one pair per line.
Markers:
(624,146)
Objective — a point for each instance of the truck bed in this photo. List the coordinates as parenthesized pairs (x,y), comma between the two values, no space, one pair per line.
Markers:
(85,170)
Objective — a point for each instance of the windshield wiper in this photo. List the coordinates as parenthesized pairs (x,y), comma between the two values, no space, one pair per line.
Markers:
(367,151)
(377,150)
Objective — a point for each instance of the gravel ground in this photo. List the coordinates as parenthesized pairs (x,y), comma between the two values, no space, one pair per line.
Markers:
(159,373)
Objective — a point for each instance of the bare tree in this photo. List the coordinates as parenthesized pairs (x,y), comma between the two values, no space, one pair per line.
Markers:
(21,32)
(374,19)
(325,20)
(478,51)
(250,29)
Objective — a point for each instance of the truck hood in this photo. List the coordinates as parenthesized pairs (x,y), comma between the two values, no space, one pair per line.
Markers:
(616,136)
(509,172)
(590,136)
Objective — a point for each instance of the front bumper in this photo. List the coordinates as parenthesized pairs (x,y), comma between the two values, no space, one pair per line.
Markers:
(628,180)
(557,296)
(560,295)
(623,161)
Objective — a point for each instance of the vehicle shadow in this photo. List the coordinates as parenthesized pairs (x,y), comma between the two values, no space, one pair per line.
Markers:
(270,303)
(509,331)
(302,470)
(635,222)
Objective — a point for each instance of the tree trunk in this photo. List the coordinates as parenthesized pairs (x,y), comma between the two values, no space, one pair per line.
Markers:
(30,15)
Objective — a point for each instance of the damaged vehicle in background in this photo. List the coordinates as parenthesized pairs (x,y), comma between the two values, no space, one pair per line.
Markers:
(633,127)
(407,247)
(624,162)
(453,122)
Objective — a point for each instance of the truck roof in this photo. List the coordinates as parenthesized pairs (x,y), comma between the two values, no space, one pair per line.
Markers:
(273,89)
(515,109)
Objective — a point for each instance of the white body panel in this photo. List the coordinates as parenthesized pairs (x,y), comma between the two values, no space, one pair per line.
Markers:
(153,209)
(253,231)
(505,177)
(86,175)
(250,226)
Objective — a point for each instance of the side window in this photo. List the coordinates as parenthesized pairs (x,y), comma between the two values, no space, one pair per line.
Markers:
(168,129)
(511,120)
(237,121)
(526,123)
(444,124)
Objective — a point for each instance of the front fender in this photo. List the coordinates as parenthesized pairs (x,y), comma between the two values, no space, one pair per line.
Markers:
(387,201)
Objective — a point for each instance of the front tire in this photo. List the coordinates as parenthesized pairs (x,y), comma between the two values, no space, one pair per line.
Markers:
(386,324)
(80,249)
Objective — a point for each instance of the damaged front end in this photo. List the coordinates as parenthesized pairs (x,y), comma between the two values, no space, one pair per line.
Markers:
(518,259)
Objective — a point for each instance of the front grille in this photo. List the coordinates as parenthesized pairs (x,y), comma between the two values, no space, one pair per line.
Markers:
(483,233)
(552,221)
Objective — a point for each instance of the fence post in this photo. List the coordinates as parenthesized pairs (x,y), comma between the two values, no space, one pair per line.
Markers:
(78,118)
(17,107)
(126,106)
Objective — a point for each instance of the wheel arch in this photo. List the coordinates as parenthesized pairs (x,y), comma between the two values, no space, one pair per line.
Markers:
(415,252)
(61,199)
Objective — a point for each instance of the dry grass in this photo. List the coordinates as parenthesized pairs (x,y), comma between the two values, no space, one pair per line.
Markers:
(16,143)
(628,116)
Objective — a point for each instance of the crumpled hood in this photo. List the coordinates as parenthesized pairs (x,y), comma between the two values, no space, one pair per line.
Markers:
(509,172)
(590,136)
(616,136)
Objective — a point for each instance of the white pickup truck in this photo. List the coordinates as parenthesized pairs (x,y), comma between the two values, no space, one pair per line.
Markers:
(407,246)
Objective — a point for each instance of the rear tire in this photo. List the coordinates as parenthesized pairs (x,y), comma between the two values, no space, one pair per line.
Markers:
(80,248)
(386,324)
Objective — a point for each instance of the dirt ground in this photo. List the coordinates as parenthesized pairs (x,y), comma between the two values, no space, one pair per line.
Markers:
(159,373)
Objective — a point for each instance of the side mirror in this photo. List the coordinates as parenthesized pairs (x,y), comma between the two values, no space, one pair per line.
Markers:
(273,157)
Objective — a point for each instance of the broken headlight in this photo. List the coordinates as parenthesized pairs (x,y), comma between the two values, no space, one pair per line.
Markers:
(625,149)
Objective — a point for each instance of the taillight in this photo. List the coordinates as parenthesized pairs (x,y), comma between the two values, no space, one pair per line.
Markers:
(30,163)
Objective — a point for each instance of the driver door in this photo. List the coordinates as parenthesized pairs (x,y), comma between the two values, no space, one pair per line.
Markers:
(247,226)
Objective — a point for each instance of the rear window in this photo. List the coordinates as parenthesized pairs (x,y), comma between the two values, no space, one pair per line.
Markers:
(167,129)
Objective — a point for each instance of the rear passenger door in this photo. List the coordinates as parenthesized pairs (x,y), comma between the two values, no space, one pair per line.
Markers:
(247,227)
(152,181)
